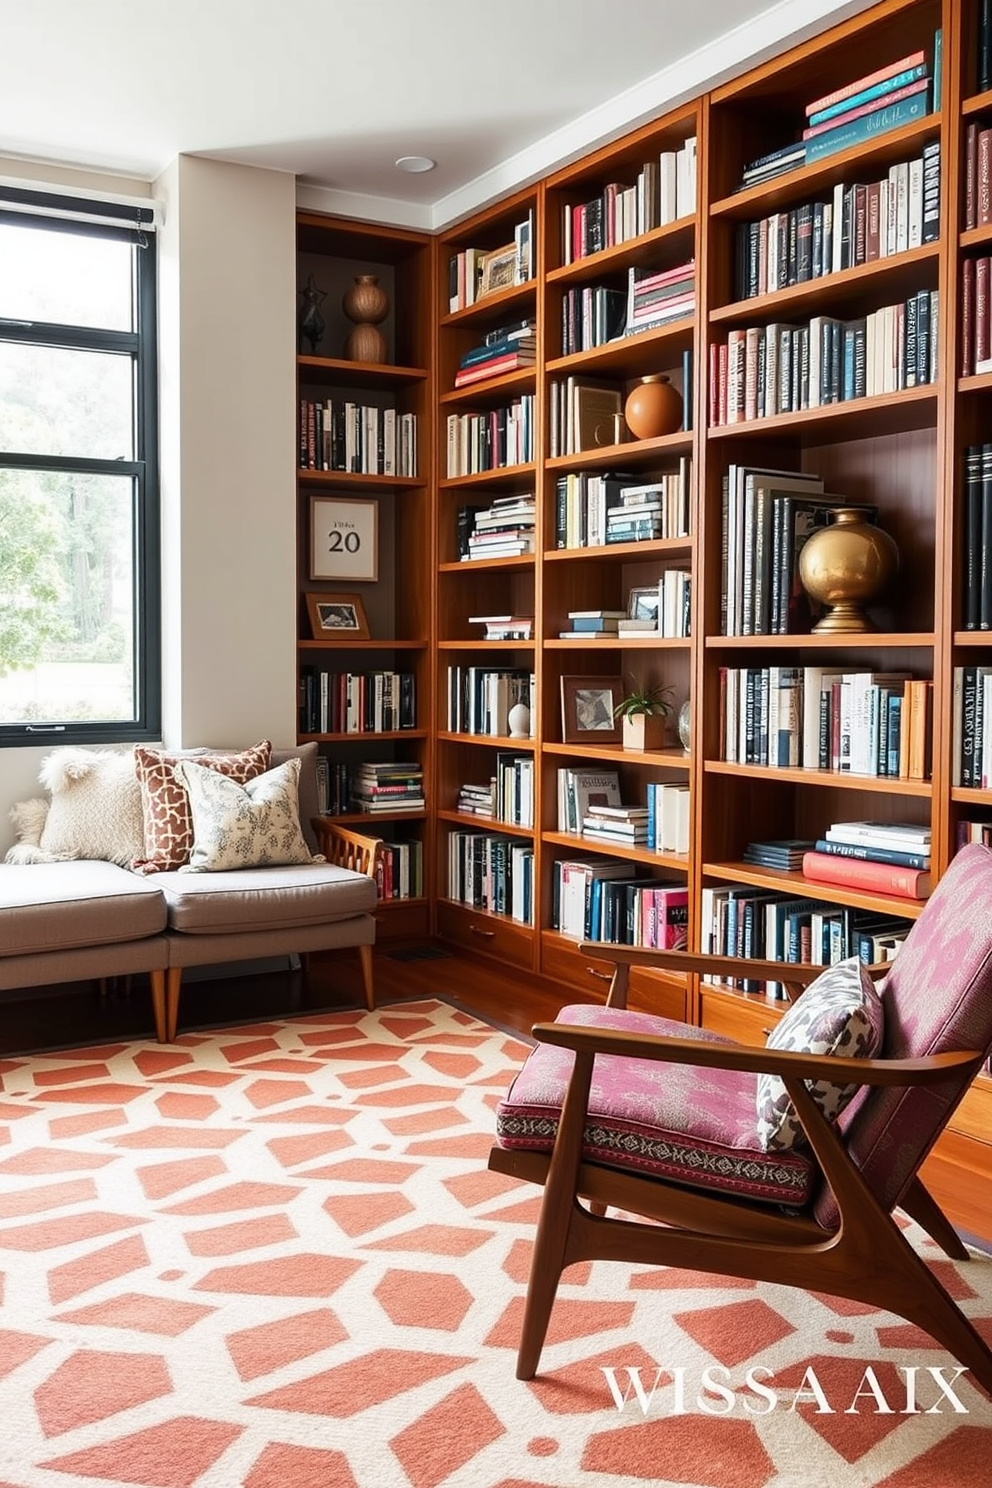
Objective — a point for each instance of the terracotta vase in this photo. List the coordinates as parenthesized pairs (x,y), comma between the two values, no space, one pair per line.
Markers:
(366,303)
(653,408)
(845,566)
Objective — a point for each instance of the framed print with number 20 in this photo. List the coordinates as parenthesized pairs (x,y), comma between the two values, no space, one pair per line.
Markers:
(344,538)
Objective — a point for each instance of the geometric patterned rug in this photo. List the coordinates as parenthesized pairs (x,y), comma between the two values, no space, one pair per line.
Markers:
(273,1257)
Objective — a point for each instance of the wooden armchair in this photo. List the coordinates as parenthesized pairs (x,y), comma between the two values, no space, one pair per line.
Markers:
(589,1120)
(349,849)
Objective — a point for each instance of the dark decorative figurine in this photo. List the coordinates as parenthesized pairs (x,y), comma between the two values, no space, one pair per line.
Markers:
(311,322)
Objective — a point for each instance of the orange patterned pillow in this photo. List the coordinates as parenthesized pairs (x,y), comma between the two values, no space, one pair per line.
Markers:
(165,804)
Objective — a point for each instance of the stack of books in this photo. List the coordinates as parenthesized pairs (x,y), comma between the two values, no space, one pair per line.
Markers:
(397,785)
(786,854)
(587,625)
(475,800)
(636,516)
(505,349)
(503,530)
(654,298)
(627,825)
(880,857)
(505,627)
(581,789)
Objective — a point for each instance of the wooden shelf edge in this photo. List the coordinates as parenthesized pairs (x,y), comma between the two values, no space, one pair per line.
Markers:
(885,784)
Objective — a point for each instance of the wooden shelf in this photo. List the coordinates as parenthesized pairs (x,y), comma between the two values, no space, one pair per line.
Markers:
(795,883)
(882,784)
(869,640)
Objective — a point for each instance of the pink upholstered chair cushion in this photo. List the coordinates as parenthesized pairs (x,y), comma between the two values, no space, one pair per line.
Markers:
(682,1123)
(937,999)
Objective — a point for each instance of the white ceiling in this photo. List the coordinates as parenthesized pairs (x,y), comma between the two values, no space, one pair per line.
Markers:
(335,90)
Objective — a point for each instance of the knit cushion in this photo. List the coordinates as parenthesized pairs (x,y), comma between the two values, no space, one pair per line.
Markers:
(94,809)
(840,1013)
(678,1122)
(255,825)
(168,826)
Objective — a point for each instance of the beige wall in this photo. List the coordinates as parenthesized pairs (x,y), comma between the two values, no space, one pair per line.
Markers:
(227,309)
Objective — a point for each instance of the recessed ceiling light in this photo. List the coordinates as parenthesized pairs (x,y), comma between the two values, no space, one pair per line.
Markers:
(414,164)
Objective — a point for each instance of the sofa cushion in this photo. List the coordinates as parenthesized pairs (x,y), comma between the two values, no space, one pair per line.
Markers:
(264,898)
(841,1014)
(65,906)
(679,1122)
(168,826)
(309,801)
(255,825)
(94,810)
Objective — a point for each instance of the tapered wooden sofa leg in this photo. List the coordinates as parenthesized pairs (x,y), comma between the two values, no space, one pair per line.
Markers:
(157,979)
(173,982)
(365,957)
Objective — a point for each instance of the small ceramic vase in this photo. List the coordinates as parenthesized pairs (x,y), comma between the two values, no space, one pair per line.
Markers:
(366,303)
(653,408)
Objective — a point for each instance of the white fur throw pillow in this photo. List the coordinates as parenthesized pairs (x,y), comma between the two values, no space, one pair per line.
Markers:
(29,821)
(255,825)
(95,810)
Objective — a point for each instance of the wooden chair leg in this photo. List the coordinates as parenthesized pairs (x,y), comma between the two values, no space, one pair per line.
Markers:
(921,1206)
(365,957)
(157,979)
(173,982)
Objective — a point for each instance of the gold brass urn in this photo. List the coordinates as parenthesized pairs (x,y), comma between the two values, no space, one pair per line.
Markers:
(845,567)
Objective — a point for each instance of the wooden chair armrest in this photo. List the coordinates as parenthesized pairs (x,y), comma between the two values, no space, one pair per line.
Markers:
(347,848)
(757,1059)
(709,965)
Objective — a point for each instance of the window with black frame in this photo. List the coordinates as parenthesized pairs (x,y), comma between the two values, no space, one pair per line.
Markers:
(79,526)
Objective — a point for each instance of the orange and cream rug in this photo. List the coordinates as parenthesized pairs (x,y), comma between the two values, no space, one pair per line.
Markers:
(273,1256)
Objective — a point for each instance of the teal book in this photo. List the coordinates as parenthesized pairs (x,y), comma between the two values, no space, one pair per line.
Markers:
(938,66)
(857,131)
(877,90)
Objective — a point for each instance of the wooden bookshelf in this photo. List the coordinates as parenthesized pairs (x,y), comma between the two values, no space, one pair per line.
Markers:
(900,450)
(397,603)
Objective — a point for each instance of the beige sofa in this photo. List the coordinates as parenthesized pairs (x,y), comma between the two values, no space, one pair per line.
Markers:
(76,920)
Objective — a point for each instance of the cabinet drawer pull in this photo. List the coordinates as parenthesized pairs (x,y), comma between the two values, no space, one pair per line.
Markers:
(486,934)
(604,976)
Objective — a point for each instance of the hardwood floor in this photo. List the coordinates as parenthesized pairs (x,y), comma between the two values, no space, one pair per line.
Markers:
(65,1017)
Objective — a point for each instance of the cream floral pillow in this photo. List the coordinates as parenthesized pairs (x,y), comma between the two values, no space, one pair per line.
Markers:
(255,825)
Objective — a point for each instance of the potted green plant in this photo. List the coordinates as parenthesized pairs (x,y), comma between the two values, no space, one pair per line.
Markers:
(643,714)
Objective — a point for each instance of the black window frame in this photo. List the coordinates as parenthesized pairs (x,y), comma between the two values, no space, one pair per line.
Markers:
(85,217)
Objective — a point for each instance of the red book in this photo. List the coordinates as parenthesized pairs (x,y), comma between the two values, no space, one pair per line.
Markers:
(982,340)
(509,362)
(849,90)
(971,175)
(967,317)
(862,873)
(983,178)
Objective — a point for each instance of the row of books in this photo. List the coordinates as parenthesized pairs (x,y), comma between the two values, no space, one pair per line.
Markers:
(356,702)
(858,224)
(971,727)
(594,508)
(467,277)
(815,718)
(340,785)
(390,786)
(399,872)
(761,371)
(600,899)
(338,434)
(977,174)
(589,804)
(504,529)
(586,413)
(886,99)
(508,796)
(664,609)
(493,873)
(664,191)
(506,351)
(490,441)
(766,518)
(983,45)
(591,316)
(976,315)
(799,929)
(976,596)
(479,699)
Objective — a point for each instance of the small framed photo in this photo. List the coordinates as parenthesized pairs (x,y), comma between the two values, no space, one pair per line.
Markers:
(344,542)
(643,604)
(588,710)
(499,270)
(337,617)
